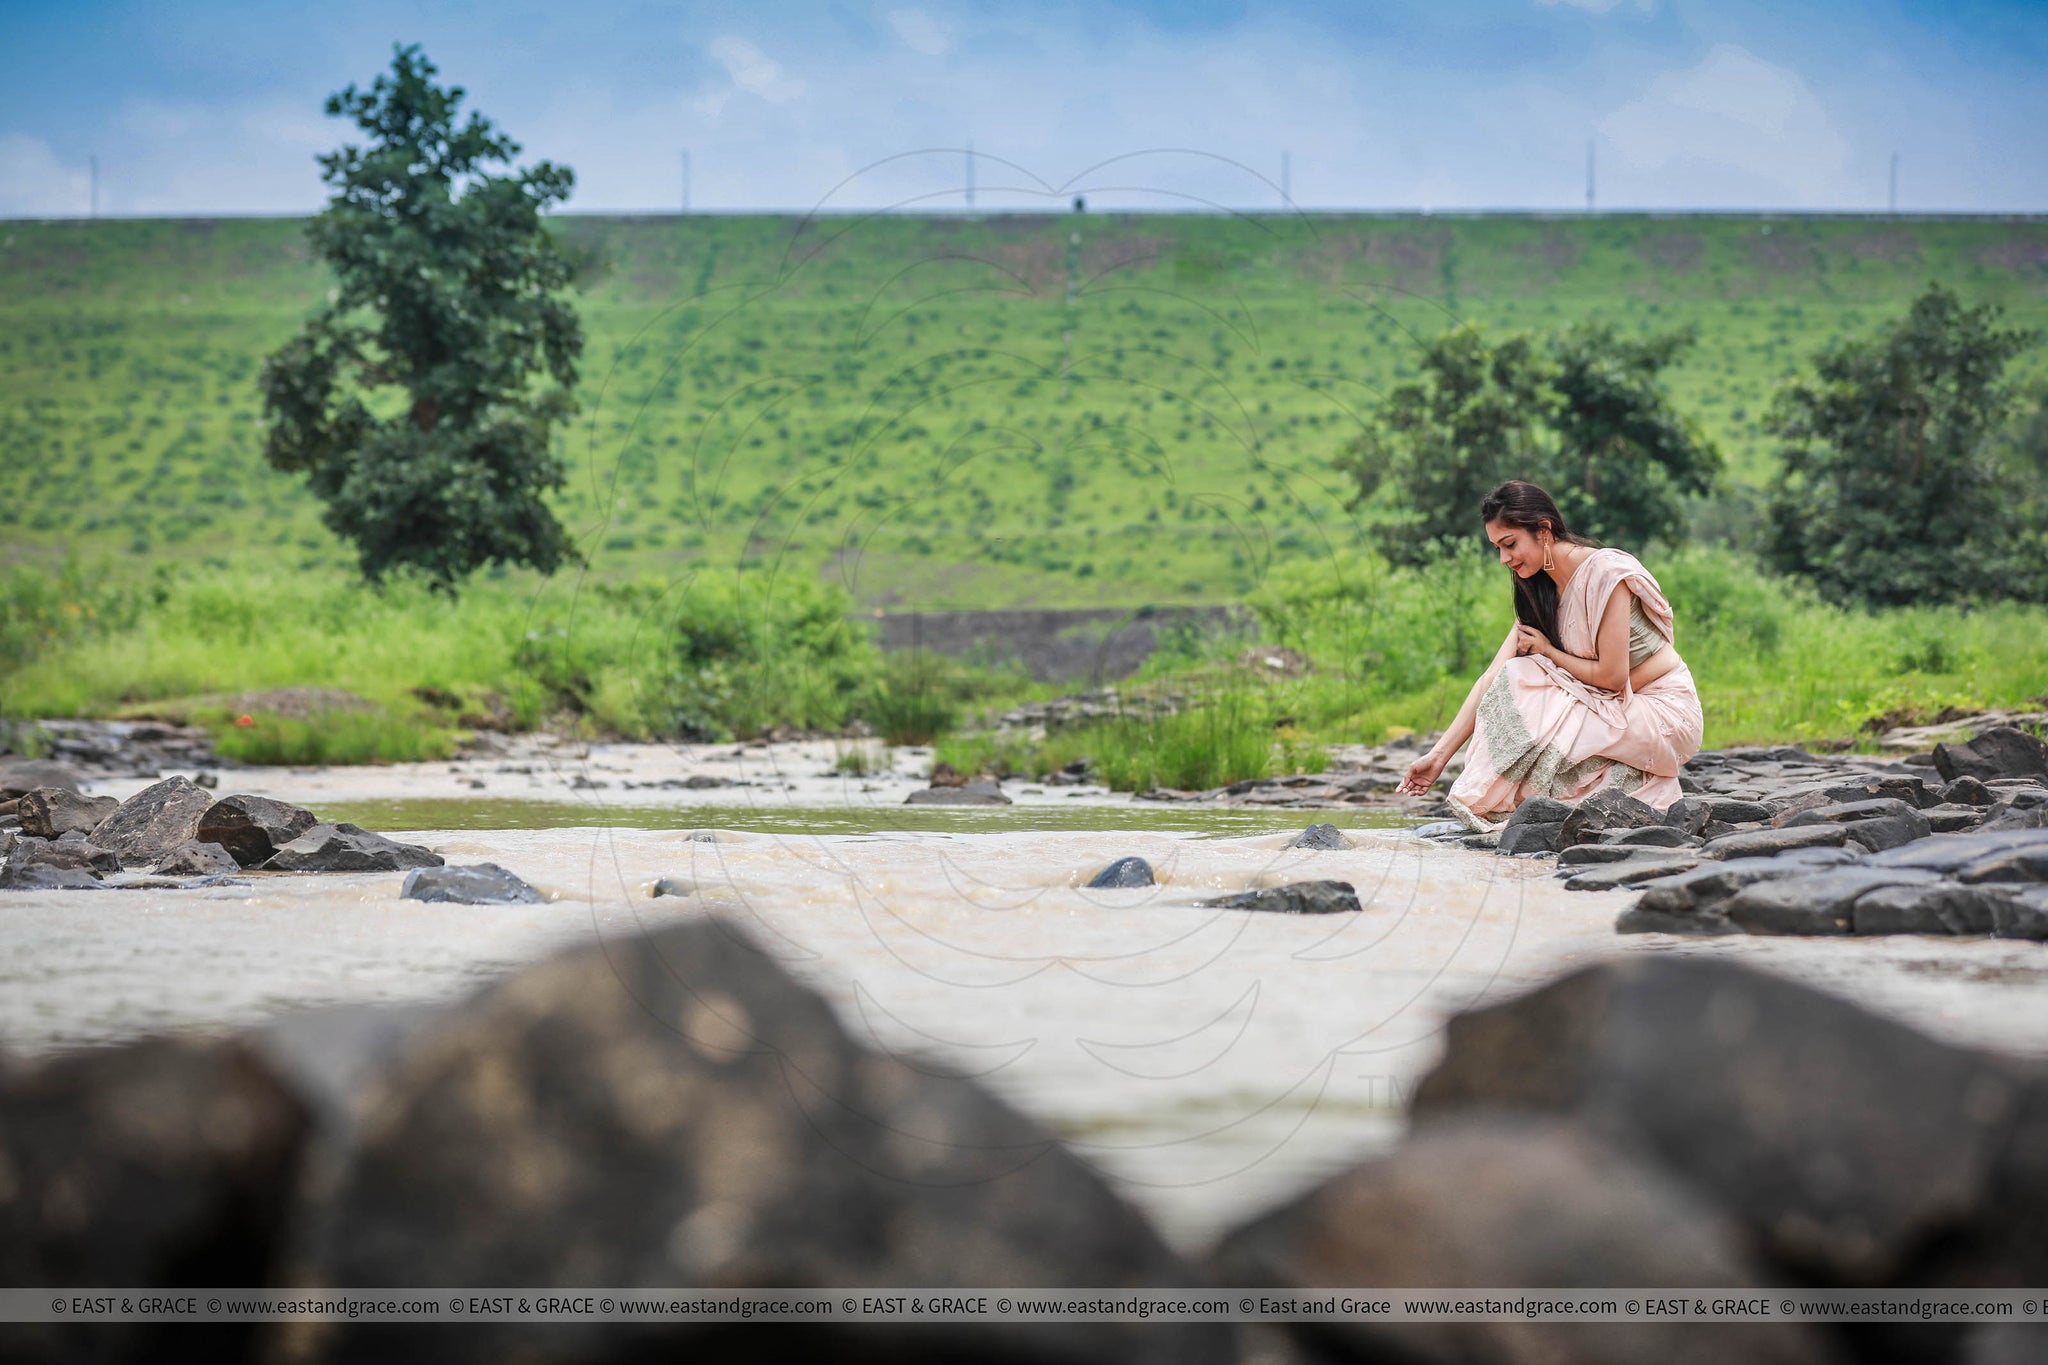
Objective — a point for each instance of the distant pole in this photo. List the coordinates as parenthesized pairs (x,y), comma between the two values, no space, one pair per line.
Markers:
(970,173)
(94,162)
(1589,175)
(1286,180)
(686,180)
(1891,199)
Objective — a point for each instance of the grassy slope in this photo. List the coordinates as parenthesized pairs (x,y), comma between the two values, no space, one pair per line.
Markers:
(943,412)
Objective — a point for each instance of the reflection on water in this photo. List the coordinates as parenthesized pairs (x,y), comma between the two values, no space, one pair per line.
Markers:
(501,813)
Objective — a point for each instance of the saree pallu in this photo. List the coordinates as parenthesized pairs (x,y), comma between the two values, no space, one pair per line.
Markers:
(1542,732)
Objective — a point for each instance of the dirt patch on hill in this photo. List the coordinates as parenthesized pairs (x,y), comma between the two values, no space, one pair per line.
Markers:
(2017,253)
(1776,252)
(1556,250)
(1884,244)
(1674,253)
(1410,259)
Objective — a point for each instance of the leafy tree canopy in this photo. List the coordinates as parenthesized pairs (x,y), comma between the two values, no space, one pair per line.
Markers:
(420,399)
(1582,413)
(1894,488)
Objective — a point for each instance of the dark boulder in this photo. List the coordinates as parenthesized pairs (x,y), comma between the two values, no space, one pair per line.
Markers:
(1480,1202)
(1648,866)
(1877,824)
(194,858)
(51,812)
(977,793)
(673,886)
(1650,836)
(1715,881)
(1297,898)
(2000,752)
(1820,903)
(1766,843)
(675,1110)
(2025,863)
(476,884)
(1969,791)
(1440,829)
(1689,814)
(154,821)
(1535,826)
(163,1164)
(1844,1141)
(1321,836)
(1953,819)
(1124,872)
(2006,815)
(75,855)
(1705,922)
(1910,788)
(348,848)
(17,876)
(2021,914)
(1951,852)
(253,828)
(1587,855)
(1606,809)
(20,776)
(1928,908)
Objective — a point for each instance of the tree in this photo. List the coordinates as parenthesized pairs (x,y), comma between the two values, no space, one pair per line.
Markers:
(1892,490)
(1581,413)
(415,401)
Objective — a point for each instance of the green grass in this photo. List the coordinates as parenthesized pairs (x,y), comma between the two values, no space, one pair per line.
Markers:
(911,407)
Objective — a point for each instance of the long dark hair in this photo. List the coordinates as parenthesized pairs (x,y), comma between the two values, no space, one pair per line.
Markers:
(1528,508)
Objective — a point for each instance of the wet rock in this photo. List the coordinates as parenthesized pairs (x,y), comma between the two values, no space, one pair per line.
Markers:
(2005,816)
(1321,836)
(673,886)
(348,848)
(154,821)
(1877,825)
(1950,853)
(1968,791)
(1607,809)
(1646,867)
(1705,922)
(1124,872)
(1732,811)
(78,855)
(1528,837)
(1938,907)
(1688,814)
(253,828)
(1440,829)
(179,884)
(2026,863)
(1845,1142)
(18,876)
(1297,898)
(1480,843)
(1649,836)
(675,1110)
(1586,855)
(161,1164)
(977,793)
(2022,914)
(20,776)
(1999,752)
(1820,903)
(1475,1202)
(1907,787)
(473,884)
(1953,819)
(195,858)
(50,812)
(1766,843)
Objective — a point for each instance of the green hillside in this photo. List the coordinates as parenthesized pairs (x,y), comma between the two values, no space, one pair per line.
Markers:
(962,412)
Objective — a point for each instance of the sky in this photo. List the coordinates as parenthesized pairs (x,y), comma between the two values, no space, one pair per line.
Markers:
(200,108)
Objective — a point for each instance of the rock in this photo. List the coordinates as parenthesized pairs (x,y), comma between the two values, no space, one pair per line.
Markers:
(2026,863)
(673,886)
(1952,852)
(1586,855)
(1844,1141)
(1649,836)
(1480,843)
(348,848)
(1953,819)
(49,812)
(2004,816)
(1529,838)
(676,1110)
(1478,1202)
(1999,752)
(1714,882)
(1124,872)
(195,858)
(1707,922)
(698,782)
(253,828)
(1604,810)
(39,877)
(74,855)
(1321,836)
(1642,869)
(20,776)
(1729,810)
(1765,843)
(1910,788)
(2023,914)
(1968,791)
(1877,825)
(1297,898)
(1820,903)
(1440,829)
(161,1164)
(154,821)
(1688,814)
(475,884)
(1927,908)
(175,884)
(978,793)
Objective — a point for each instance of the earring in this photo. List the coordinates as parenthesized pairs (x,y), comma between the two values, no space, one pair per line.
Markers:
(1546,557)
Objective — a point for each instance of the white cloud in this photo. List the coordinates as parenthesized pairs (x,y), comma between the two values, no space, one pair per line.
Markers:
(752,70)
(34,182)
(1740,121)
(919,31)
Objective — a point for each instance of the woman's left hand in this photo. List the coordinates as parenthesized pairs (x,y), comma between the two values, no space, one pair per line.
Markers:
(1529,640)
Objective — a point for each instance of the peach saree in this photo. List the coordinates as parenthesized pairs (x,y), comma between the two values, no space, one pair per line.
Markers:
(1542,732)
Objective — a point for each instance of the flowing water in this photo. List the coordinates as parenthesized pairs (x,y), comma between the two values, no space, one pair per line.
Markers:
(1209,1061)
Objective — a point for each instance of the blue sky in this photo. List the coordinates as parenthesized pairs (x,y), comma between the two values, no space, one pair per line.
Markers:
(197,108)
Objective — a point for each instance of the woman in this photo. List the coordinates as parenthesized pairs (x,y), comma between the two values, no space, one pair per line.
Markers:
(1586,691)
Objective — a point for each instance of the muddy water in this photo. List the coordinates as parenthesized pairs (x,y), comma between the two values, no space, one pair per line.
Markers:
(1209,1061)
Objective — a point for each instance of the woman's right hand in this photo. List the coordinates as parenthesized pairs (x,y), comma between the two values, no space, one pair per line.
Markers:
(1422,775)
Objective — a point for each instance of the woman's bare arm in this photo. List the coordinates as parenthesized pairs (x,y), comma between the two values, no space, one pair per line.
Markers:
(1608,668)
(1461,727)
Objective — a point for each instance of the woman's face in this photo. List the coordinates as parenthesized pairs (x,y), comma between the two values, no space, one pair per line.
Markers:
(1520,550)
